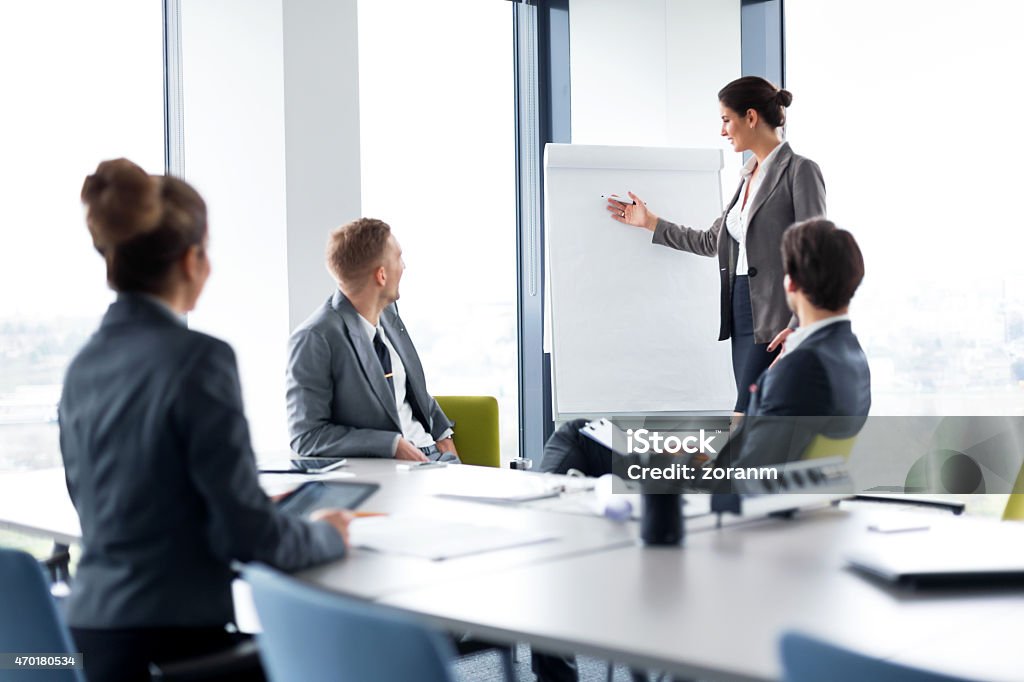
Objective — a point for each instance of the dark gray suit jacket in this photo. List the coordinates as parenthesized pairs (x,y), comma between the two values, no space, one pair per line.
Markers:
(792,190)
(823,387)
(159,466)
(339,403)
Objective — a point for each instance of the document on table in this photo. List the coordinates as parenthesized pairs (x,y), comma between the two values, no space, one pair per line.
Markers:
(434,539)
(527,489)
(510,498)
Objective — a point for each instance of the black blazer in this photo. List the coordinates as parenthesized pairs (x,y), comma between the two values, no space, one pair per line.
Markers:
(821,388)
(160,468)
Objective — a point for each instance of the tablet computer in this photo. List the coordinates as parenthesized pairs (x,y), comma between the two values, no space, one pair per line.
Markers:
(318,465)
(309,497)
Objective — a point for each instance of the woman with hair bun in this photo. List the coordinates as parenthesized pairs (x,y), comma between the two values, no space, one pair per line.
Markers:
(777,188)
(156,447)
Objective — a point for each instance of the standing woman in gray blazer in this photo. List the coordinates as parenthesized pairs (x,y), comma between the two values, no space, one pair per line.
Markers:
(156,446)
(777,188)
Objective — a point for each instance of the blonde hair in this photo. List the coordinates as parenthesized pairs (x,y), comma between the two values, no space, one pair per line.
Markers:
(357,249)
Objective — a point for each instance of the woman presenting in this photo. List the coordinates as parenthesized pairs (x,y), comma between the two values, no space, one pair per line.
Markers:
(777,189)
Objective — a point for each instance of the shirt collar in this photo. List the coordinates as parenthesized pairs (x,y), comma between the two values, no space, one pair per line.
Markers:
(803,333)
(161,303)
(751,163)
(370,330)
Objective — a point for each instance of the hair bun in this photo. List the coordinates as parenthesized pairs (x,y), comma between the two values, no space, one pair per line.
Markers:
(784,97)
(123,202)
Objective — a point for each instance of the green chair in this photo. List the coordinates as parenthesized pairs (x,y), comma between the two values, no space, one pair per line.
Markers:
(823,446)
(476,427)
(1014,510)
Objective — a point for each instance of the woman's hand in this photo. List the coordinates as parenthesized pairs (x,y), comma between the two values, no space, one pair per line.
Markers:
(339,518)
(779,342)
(635,214)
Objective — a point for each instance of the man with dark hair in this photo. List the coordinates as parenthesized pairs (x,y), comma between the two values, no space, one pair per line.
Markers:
(355,385)
(820,385)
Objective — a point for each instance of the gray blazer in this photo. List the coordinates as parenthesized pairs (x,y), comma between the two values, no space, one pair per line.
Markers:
(792,190)
(159,466)
(339,403)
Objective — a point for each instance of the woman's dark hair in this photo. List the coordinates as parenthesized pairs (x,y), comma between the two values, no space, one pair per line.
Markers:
(754,92)
(823,261)
(141,224)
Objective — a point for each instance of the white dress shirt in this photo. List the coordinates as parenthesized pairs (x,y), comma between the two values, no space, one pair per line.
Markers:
(412,430)
(739,215)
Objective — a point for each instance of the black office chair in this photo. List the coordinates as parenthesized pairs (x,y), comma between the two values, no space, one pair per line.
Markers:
(241,661)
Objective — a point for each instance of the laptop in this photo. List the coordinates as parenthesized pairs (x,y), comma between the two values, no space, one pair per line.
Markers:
(945,556)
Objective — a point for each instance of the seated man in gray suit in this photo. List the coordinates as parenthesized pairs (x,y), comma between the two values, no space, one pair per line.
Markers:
(355,385)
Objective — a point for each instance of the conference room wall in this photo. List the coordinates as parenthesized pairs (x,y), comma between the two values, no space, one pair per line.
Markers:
(272,141)
(437,154)
(322,143)
(648,73)
(275,111)
(234,132)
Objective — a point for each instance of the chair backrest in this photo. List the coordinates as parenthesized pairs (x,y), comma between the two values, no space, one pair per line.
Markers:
(823,446)
(29,621)
(476,427)
(806,659)
(1014,510)
(316,636)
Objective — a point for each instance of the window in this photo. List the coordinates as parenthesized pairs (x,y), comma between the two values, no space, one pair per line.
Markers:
(81,82)
(909,109)
(234,155)
(438,165)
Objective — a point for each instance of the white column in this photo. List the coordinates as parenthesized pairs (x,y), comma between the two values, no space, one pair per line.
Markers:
(321,96)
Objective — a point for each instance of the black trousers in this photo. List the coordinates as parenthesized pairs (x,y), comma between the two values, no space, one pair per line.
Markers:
(569,449)
(749,359)
(124,655)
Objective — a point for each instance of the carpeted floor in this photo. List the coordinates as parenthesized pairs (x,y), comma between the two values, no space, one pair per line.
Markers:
(486,667)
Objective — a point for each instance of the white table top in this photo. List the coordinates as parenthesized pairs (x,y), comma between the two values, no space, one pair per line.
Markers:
(716,608)
(372,575)
(37,502)
(713,609)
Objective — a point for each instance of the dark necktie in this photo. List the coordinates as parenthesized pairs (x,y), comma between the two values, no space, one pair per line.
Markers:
(384,356)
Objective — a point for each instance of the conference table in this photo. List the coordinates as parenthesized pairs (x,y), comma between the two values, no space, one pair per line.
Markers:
(715,608)
(711,609)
